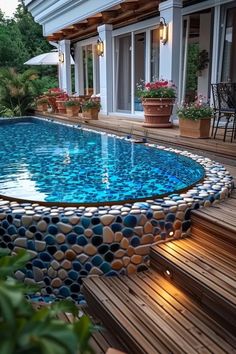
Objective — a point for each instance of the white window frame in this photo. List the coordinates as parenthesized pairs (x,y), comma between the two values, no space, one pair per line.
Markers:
(144,26)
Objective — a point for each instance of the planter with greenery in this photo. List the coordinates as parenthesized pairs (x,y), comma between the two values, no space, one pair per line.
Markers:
(72,108)
(27,331)
(90,109)
(157,99)
(195,119)
(42,104)
(60,102)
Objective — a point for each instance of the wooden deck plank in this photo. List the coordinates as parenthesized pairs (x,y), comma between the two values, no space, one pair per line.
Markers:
(192,330)
(155,317)
(151,299)
(118,318)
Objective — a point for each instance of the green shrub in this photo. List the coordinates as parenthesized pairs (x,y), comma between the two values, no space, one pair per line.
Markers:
(89,104)
(24,330)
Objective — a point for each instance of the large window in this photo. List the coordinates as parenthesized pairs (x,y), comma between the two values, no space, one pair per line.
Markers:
(136,60)
(229,54)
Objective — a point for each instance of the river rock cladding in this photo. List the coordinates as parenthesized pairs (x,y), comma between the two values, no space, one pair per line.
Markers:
(68,244)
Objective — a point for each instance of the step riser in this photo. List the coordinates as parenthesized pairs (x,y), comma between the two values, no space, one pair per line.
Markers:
(211,229)
(195,288)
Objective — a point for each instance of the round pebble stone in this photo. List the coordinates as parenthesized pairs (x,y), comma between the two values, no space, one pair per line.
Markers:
(142,250)
(90,249)
(59,255)
(88,232)
(117,264)
(118,236)
(108,235)
(126,261)
(60,238)
(66,264)
(107,219)
(124,243)
(130,251)
(64,228)
(136,259)
(70,255)
(149,238)
(131,268)
(56,283)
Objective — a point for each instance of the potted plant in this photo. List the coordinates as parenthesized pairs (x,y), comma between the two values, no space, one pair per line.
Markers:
(157,99)
(90,109)
(72,107)
(60,102)
(42,104)
(195,119)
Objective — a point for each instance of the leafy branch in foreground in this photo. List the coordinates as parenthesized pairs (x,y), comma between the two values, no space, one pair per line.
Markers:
(24,330)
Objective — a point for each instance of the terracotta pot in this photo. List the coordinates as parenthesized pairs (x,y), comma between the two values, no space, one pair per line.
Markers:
(195,128)
(60,106)
(42,107)
(157,112)
(91,113)
(72,111)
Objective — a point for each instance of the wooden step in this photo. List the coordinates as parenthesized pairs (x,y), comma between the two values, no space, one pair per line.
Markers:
(150,315)
(206,270)
(217,222)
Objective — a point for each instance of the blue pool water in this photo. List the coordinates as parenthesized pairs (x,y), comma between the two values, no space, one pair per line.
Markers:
(50,162)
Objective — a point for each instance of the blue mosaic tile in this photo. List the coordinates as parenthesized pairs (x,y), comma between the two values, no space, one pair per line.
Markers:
(64,291)
(82,240)
(52,229)
(50,240)
(105,267)
(103,249)
(114,247)
(79,230)
(71,239)
(98,230)
(170,217)
(76,265)
(127,232)
(109,256)
(97,260)
(130,221)
(135,241)
(116,227)
(97,240)
(46,257)
(85,222)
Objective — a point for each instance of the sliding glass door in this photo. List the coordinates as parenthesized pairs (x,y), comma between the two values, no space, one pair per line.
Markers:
(123,74)
(136,60)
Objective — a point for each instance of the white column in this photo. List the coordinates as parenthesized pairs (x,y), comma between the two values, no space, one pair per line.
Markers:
(65,66)
(79,70)
(170,10)
(106,87)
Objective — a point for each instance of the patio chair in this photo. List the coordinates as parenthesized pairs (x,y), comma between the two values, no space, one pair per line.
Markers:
(224,101)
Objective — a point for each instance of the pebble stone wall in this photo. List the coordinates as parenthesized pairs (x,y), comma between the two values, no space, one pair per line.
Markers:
(67,244)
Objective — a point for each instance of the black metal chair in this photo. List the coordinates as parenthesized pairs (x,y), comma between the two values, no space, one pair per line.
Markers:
(224,101)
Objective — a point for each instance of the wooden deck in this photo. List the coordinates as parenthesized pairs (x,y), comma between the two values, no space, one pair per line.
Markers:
(153,316)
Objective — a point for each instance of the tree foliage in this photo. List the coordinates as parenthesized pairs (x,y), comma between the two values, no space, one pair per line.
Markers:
(17,91)
(20,38)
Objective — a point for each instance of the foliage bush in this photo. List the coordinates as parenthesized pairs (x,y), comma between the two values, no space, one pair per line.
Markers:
(17,92)
(24,330)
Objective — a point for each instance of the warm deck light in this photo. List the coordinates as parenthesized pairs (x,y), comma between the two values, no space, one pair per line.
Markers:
(163,31)
(100,47)
(171,233)
(168,273)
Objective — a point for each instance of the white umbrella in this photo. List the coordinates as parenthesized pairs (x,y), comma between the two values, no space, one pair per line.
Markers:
(51,58)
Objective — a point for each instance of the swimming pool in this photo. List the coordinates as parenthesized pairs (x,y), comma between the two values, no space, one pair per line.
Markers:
(44,161)
(69,242)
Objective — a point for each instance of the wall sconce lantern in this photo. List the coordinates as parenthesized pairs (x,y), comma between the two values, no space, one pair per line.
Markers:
(100,47)
(163,30)
(61,57)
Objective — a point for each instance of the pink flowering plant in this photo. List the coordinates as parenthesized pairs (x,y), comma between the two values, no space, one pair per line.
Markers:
(195,110)
(156,89)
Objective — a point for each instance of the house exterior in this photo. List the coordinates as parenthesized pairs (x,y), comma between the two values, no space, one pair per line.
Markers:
(200,48)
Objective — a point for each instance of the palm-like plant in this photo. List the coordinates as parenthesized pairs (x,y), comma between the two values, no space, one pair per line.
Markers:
(17,91)
(24,330)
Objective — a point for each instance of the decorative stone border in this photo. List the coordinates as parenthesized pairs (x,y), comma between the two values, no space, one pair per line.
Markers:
(69,243)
